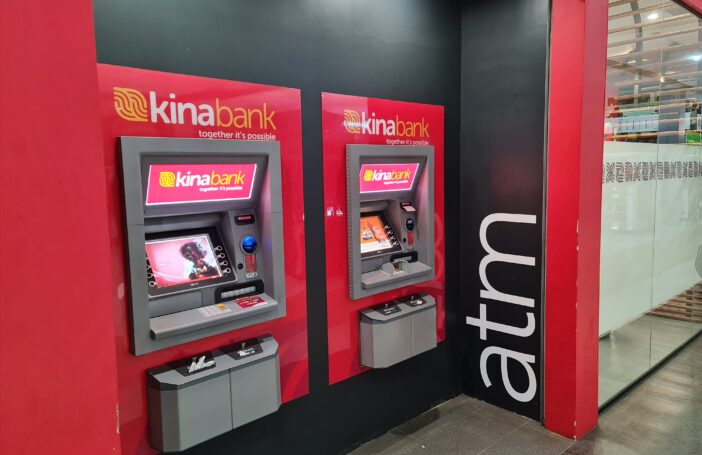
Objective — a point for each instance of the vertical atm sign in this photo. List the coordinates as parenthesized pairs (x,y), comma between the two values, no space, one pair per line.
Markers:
(189,183)
(377,178)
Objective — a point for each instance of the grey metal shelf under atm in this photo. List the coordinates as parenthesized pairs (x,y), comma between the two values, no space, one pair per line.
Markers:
(397,330)
(187,409)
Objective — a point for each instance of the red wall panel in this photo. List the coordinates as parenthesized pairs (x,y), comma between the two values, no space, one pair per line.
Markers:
(58,380)
(342,312)
(283,106)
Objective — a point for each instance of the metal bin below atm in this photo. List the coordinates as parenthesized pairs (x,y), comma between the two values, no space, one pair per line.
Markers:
(397,330)
(186,409)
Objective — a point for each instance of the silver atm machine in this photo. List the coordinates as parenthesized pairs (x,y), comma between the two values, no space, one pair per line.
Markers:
(204,237)
(390,204)
(390,209)
(205,249)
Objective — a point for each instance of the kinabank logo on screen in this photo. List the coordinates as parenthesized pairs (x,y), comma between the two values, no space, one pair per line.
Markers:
(374,175)
(132,105)
(363,124)
(167,179)
(196,182)
(374,178)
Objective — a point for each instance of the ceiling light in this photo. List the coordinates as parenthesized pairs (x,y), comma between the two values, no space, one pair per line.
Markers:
(652,16)
(696,57)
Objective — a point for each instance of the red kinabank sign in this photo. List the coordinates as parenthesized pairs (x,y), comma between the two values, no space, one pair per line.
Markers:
(379,178)
(359,120)
(136,102)
(187,183)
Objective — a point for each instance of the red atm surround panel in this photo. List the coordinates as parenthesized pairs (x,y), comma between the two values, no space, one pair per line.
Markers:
(281,122)
(342,123)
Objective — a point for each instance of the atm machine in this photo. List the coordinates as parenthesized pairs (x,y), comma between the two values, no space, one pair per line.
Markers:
(390,210)
(204,235)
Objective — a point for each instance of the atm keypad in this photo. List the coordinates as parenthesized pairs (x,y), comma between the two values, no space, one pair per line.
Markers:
(214,310)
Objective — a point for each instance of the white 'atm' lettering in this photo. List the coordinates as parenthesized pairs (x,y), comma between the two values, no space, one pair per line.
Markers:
(489,292)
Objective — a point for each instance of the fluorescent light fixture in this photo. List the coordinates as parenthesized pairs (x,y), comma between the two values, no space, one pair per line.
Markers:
(652,16)
(695,57)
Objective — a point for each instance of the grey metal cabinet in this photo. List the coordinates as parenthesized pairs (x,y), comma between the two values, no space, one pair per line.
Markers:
(198,398)
(397,330)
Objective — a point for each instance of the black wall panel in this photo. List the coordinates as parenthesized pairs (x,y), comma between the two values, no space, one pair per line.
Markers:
(397,49)
(503,102)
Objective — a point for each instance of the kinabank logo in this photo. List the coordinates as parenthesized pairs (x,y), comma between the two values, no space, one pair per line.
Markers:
(374,175)
(364,124)
(131,104)
(168,179)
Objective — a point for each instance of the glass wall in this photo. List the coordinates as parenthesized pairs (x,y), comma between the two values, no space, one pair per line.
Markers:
(651,257)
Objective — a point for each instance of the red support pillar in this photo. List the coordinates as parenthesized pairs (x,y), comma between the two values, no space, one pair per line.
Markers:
(574,188)
(58,378)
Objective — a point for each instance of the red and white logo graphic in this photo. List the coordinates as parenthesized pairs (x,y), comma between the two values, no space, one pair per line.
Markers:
(377,178)
(187,183)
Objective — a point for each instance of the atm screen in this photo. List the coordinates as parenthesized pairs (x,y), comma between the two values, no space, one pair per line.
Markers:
(375,236)
(182,260)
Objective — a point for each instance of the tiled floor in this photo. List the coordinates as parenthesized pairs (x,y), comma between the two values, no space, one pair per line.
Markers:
(630,351)
(663,415)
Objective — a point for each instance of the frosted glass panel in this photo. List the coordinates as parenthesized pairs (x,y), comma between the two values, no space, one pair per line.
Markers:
(651,251)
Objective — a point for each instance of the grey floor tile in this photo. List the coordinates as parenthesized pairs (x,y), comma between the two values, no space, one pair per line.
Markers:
(424,425)
(598,445)
(455,439)
(529,440)
(615,442)
(439,417)
(387,444)
(491,420)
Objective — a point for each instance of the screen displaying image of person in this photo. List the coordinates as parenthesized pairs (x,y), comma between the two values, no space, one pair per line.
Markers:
(180,260)
(198,267)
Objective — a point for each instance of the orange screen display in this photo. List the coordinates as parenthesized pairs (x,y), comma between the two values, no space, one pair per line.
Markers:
(373,237)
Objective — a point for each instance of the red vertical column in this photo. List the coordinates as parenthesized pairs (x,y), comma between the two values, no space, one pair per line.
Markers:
(574,188)
(58,380)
